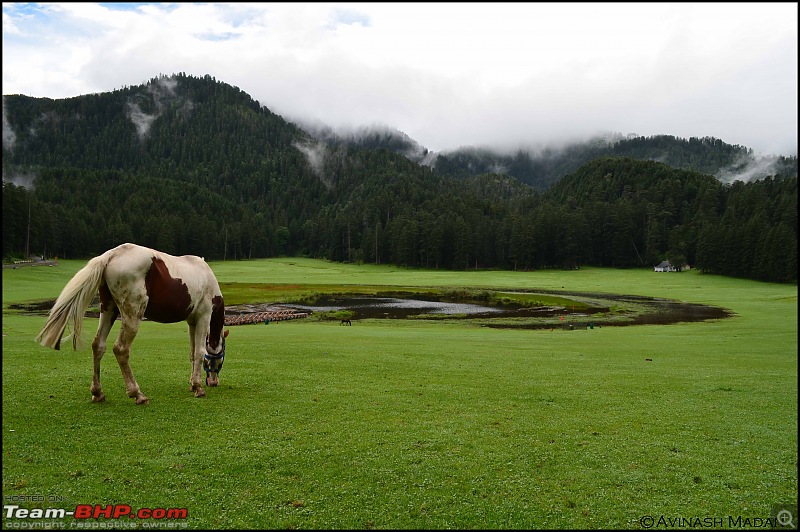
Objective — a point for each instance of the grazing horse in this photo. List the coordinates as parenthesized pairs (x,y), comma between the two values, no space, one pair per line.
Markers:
(134,283)
(346,322)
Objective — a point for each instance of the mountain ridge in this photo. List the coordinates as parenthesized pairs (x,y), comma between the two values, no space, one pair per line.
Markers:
(539,167)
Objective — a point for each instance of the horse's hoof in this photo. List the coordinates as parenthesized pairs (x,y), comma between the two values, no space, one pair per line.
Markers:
(142,400)
(200,393)
(99,398)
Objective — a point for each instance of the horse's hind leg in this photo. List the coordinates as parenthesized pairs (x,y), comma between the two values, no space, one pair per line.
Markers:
(122,350)
(98,350)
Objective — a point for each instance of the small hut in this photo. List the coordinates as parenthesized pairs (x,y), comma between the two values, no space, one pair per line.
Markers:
(665,266)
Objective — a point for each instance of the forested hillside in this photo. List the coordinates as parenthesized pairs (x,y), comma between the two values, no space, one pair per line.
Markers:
(195,166)
(647,210)
(544,167)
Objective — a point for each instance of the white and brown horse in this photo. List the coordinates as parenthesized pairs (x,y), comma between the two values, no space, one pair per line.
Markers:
(134,283)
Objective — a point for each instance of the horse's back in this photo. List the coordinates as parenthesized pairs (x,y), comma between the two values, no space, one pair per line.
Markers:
(135,259)
(170,287)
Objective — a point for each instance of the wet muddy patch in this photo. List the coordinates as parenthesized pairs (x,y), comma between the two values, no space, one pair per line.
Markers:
(620,310)
(42,308)
(496,309)
(575,310)
(38,308)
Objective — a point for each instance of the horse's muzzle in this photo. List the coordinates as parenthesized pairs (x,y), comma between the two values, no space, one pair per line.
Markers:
(212,364)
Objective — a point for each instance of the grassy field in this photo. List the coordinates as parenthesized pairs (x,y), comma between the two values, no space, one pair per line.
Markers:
(416,424)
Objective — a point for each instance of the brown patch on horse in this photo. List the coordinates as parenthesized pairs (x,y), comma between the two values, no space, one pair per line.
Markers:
(169,298)
(106,299)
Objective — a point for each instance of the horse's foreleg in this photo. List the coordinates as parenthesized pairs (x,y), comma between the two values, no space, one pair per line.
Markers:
(198,343)
(122,350)
(98,350)
(194,378)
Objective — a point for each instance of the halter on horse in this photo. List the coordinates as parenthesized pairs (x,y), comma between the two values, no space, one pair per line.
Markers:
(213,363)
(134,283)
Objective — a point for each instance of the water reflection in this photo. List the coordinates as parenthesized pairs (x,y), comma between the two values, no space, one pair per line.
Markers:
(372,307)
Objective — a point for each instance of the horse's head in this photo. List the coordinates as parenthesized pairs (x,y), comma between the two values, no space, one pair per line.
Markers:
(213,359)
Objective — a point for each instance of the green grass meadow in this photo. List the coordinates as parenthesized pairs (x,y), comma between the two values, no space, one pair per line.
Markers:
(416,424)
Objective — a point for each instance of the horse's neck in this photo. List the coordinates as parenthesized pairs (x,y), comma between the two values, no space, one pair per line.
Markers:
(217,320)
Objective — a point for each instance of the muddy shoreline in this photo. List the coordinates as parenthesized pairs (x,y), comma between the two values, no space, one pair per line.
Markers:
(597,310)
(600,310)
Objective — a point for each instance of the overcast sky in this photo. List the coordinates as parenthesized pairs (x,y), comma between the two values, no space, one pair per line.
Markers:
(448,75)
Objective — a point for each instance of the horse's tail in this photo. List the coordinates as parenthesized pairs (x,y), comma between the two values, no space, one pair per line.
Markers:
(71,305)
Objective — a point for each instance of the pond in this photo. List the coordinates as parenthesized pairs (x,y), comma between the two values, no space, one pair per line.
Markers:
(593,310)
(596,310)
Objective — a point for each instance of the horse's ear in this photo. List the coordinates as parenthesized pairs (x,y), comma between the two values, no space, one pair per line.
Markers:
(225,334)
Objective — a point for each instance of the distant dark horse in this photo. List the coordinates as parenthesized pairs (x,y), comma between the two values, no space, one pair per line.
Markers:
(136,282)
(345,322)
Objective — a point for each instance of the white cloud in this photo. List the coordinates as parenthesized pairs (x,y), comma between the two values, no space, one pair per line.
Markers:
(9,136)
(315,155)
(445,74)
